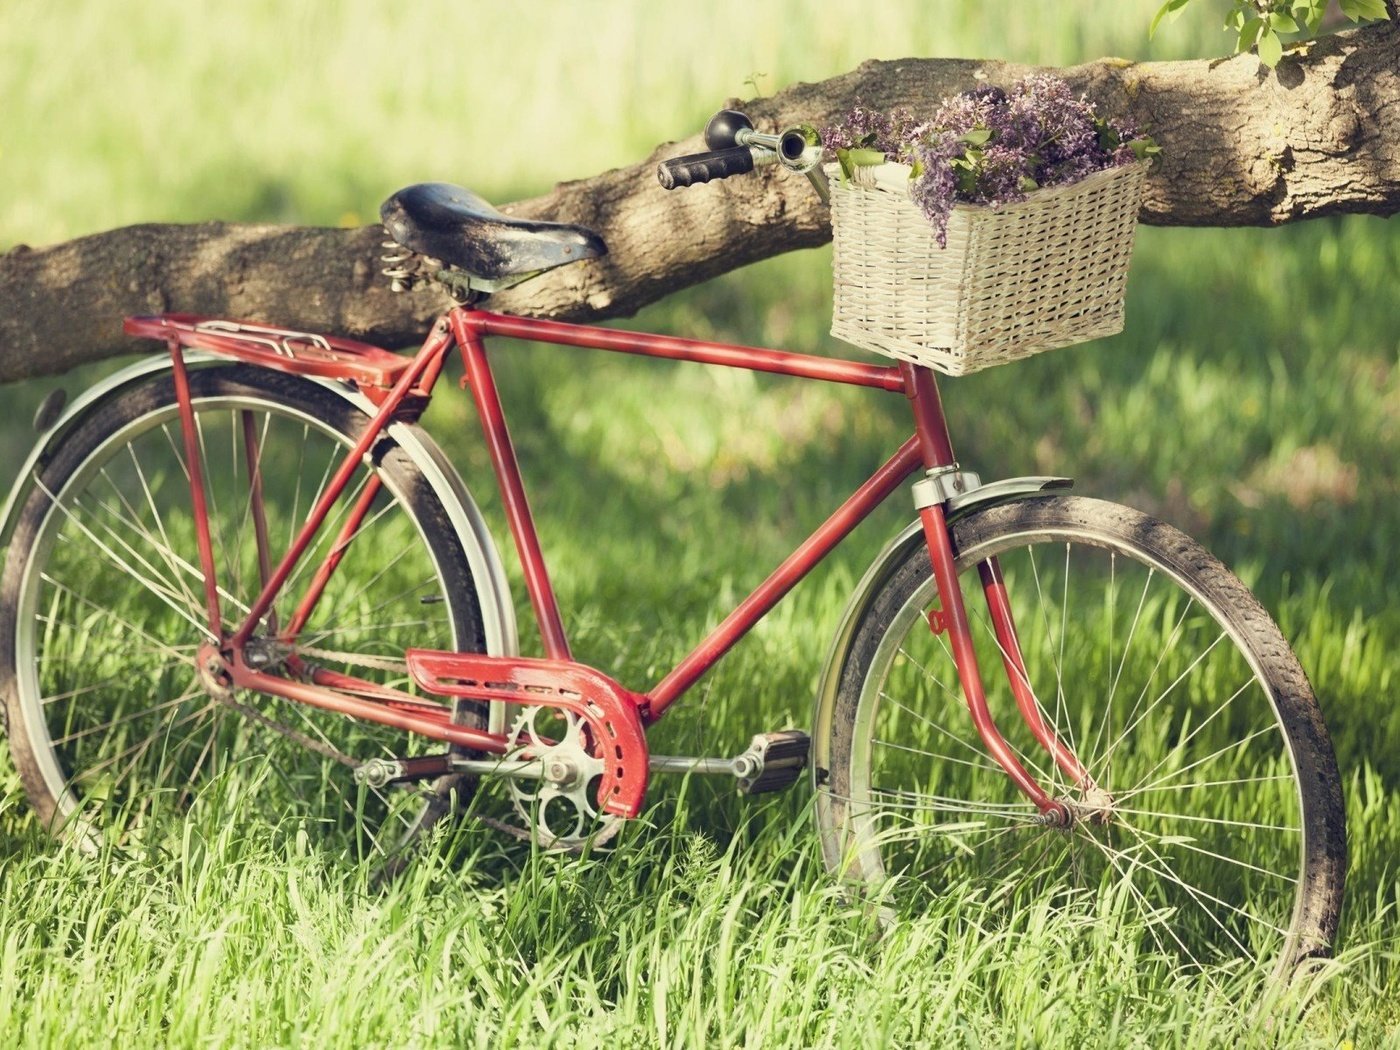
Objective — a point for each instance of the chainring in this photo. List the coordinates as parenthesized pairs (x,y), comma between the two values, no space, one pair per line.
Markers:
(560,808)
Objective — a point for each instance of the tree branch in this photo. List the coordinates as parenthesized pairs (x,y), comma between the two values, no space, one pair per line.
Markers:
(1242,145)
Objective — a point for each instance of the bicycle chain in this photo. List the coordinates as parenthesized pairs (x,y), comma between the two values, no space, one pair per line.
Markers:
(374,663)
(294,735)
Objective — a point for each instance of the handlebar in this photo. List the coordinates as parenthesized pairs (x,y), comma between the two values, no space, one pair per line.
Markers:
(736,149)
(702,167)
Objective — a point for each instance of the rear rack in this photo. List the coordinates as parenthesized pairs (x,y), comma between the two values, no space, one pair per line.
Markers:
(284,349)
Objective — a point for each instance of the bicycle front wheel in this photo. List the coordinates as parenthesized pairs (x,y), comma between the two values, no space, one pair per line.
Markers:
(1216,824)
(102,611)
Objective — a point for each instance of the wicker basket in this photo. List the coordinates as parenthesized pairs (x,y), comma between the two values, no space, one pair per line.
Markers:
(1030,276)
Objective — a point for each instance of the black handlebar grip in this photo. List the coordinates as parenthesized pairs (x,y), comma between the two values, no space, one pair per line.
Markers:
(702,167)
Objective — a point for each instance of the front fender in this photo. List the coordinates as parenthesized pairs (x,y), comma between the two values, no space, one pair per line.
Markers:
(497,609)
(874,581)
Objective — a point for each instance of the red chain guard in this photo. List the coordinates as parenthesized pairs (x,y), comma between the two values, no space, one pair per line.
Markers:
(608,709)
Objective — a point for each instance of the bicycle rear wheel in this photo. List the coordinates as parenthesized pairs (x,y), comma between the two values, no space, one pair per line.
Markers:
(1224,836)
(102,610)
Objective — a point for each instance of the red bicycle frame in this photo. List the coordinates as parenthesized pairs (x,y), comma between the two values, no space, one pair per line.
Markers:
(399,386)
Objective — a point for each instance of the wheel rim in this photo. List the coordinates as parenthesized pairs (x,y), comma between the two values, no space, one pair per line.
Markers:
(1163,702)
(111,597)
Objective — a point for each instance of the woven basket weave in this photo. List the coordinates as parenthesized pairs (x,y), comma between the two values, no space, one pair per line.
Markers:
(1026,277)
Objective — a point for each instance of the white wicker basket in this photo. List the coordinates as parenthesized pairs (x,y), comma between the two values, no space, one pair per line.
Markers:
(1026,277)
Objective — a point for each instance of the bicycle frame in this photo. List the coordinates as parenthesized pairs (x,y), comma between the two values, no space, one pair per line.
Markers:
(402,387)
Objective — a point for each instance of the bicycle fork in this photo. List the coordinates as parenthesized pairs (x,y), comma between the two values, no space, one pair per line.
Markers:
(950,618)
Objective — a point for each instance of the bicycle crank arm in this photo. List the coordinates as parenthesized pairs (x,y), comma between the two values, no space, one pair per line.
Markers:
(771,762)
(532,768)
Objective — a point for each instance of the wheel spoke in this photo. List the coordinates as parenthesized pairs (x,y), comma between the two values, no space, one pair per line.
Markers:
(1056,784)
(1102,771)
(122,720)
(1196,818)
(216,519)
(1151,912)
(1197,785)
(1178,842)
(961,702)
(144,745)
(1200,896)
(944,804)
(1181,747)
(179,566)
(161,546)
(156,643)
(116,560)
(940,757)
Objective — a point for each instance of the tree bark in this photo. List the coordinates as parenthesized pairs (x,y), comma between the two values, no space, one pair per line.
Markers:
(1242,145)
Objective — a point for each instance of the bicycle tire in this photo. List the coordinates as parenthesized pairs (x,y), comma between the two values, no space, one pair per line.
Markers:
(908,796)
(100,590)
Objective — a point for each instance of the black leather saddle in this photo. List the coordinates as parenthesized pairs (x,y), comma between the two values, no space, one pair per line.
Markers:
(458,228)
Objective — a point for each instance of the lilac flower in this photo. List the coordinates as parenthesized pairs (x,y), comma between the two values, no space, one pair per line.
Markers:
(866,128)
(1124,154)
(991,146)
(935,189)
(1043,118)
(972,109)
(1000,173)
(1071,169)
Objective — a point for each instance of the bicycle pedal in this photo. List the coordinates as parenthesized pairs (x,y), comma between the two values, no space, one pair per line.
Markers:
(772,762)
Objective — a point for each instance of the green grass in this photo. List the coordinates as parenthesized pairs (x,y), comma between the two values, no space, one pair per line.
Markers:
(1254,400)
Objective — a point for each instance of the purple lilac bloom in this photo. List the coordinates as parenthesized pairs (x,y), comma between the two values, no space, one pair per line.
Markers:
(1072,169)
(971,109)
(1043,118)
(935,189)
(1124,154)
(988,145)
(866,128)
(999,176)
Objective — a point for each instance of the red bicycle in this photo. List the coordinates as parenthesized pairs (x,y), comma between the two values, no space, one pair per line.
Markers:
(246,557)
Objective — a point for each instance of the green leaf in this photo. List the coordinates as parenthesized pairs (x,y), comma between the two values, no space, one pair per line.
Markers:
(1359,10)
(1026,184)
(1145,148)
(866,158)
(1109,139)
(843,158)
(1281,23)
(1270,47)
(1249,33)
(968,161)
(855,157)
(1171,10)
(1310,14)
(978,136)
